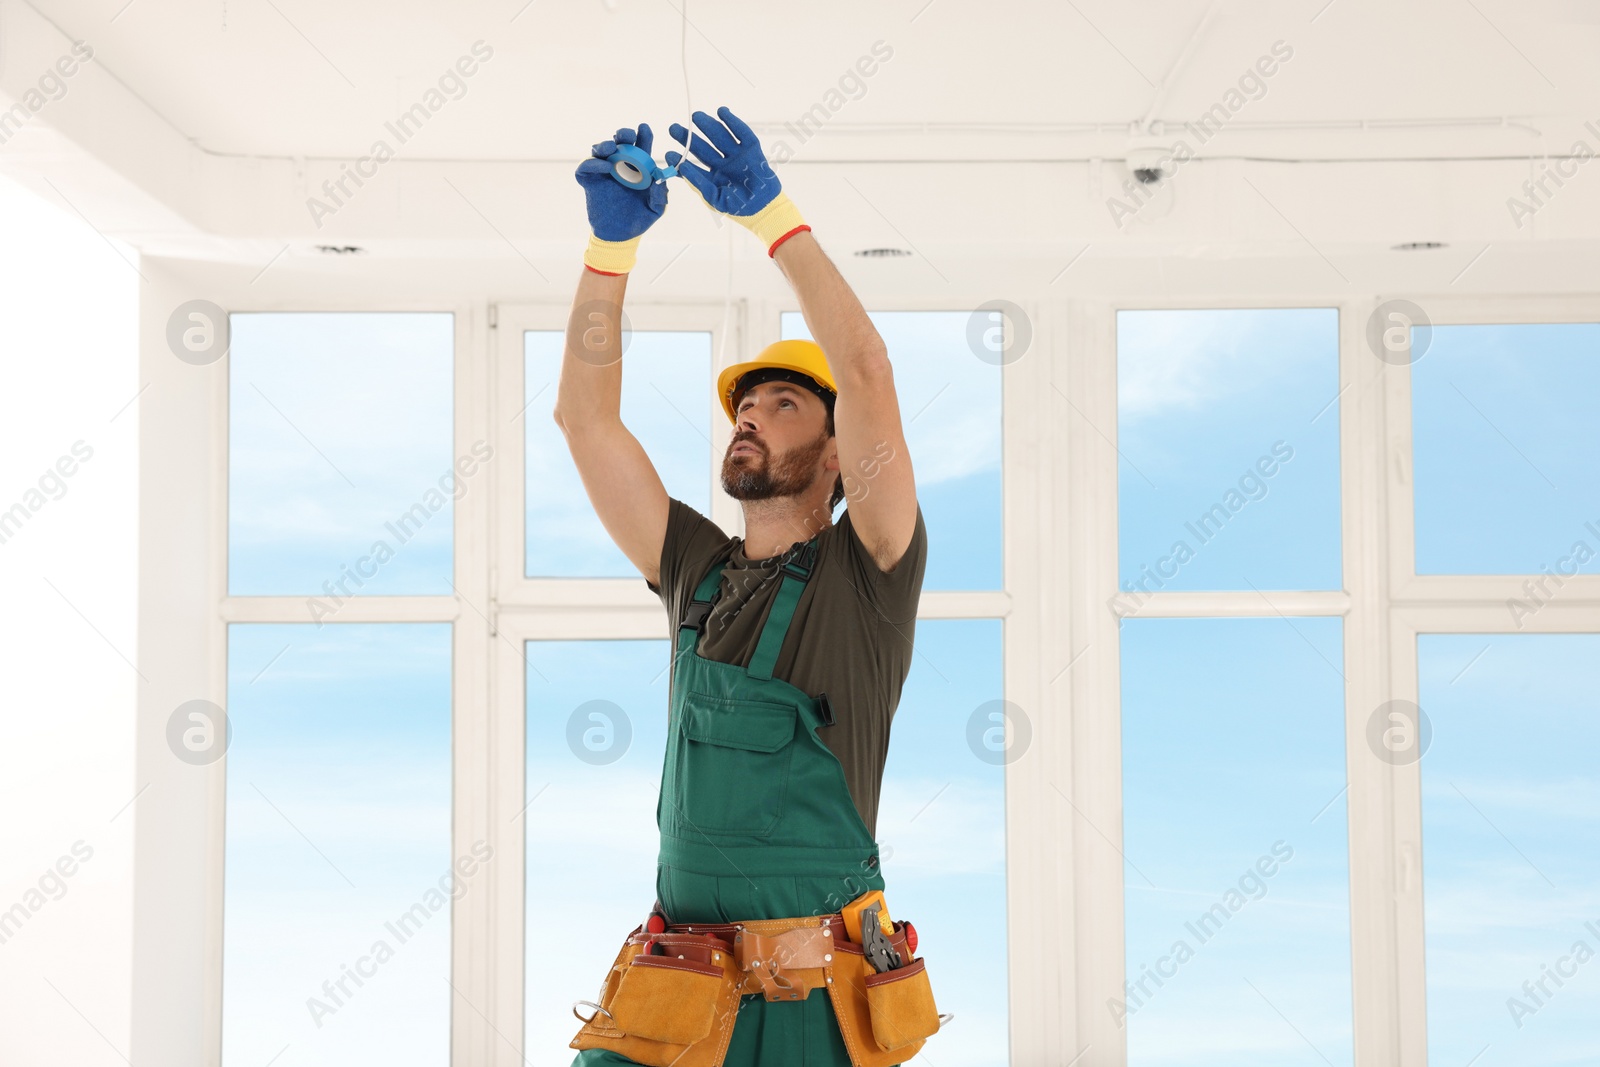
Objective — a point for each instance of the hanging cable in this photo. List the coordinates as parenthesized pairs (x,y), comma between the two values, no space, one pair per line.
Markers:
(688,124)
(683,56)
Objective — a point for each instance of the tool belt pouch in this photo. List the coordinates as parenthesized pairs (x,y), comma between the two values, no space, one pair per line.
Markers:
(663,998)
(900,1003)
(663,1010)
(885,1017)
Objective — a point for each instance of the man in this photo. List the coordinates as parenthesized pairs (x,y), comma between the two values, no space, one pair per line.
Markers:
(791,644)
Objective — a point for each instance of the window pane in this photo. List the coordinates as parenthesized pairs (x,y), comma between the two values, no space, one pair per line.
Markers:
(336,913)
(1228,429)
(340,477)
(666,404)
(1510,820)
(950,415)
(1500,486)
(941,832)
(597,734)
(1235,844)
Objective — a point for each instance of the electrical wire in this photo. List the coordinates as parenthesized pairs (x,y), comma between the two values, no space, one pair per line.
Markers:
(683,56)
(688,125)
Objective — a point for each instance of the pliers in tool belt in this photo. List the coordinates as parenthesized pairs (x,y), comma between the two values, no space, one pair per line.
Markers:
(877,948)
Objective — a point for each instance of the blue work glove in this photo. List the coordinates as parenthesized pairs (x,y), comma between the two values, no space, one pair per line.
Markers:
(736,180)
(618,215)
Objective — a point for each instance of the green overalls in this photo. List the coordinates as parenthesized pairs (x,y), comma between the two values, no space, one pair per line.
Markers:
(756,819)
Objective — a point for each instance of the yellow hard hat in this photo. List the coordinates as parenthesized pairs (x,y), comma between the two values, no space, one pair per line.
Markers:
(801,357)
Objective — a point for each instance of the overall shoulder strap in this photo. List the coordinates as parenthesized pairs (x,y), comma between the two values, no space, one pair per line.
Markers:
(798,563)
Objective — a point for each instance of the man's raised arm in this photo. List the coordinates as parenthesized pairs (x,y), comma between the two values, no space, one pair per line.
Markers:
(873,459)
(621,482)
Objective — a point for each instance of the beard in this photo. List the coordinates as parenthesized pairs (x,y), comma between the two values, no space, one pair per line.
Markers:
(755,476)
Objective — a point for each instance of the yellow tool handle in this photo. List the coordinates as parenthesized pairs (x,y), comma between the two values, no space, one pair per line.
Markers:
(851,913)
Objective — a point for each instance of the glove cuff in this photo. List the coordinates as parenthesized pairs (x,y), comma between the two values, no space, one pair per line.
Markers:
(611,257)
(775,223)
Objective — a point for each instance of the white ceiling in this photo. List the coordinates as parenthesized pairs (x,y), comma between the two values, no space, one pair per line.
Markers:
(296,78)
(993,134)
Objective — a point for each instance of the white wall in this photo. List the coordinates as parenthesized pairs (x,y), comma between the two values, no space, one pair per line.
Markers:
(68,373)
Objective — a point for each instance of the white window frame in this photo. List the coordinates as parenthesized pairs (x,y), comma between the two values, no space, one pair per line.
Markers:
(1448,604)
(1061,652)
(184,611)
(1384,605)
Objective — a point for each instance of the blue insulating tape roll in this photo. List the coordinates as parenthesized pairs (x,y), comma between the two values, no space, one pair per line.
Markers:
(640,170)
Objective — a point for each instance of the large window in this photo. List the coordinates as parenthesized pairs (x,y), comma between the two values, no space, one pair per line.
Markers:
(340,874)
(1306,647)
(1481,777)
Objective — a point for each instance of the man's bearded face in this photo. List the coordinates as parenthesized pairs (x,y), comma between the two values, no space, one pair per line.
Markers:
(758,475)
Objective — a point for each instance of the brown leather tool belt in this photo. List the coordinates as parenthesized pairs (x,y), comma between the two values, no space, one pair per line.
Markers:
(671,998)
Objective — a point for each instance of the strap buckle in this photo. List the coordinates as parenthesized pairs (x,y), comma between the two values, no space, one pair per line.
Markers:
(801,560)
(694,618)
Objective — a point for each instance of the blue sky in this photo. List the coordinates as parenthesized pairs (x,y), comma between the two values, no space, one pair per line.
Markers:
(1510,868)
(339,424)
(338,823)
(1503,484)
(1233,750)
(1235,408)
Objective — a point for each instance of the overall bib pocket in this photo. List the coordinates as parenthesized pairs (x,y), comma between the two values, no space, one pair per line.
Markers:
(734,761)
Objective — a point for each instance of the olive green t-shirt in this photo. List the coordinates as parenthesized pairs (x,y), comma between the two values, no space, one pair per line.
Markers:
(850,636)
